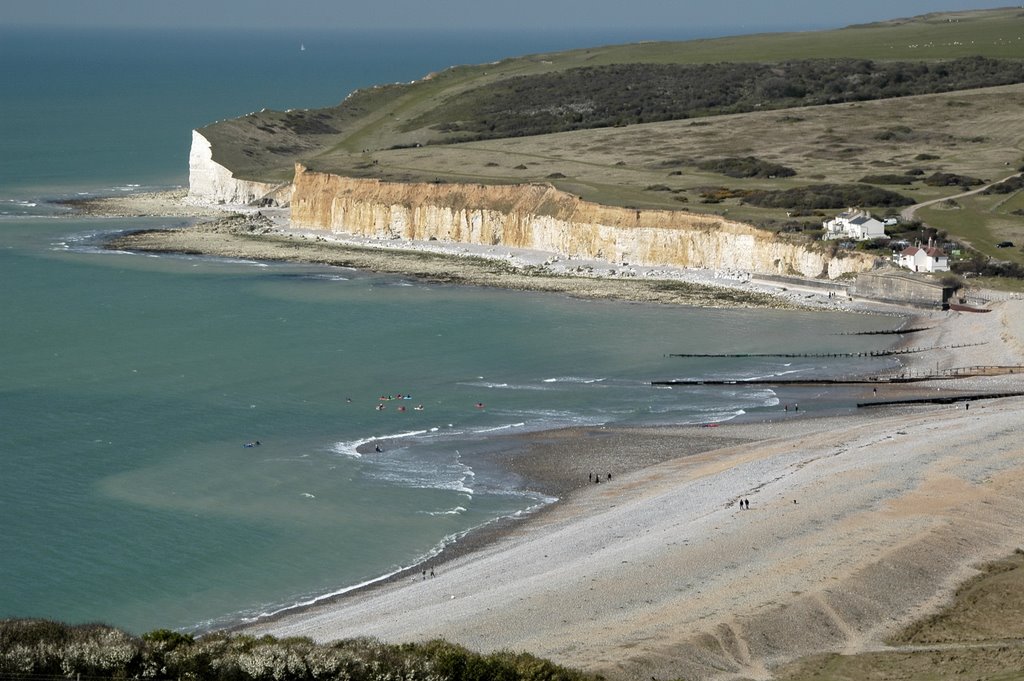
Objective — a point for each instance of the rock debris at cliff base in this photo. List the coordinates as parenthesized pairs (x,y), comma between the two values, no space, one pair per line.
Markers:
(225,239)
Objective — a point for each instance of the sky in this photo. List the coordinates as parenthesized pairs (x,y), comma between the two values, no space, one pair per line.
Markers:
(746,16)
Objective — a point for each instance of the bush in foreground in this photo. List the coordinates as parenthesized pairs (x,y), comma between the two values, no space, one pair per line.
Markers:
(46,649)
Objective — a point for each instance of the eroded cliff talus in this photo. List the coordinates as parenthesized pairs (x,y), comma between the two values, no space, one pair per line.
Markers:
(544,218)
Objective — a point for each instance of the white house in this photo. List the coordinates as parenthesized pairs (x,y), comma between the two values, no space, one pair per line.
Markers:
(853,224)
(923,259)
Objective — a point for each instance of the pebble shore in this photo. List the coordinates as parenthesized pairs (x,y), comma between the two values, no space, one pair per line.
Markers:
(856,524)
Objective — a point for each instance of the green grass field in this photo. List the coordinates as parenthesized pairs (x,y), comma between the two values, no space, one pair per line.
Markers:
(983,222)
(384,132)
(259,146)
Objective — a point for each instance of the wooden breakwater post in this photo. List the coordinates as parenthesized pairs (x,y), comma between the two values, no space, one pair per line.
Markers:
(887,332)
(944,399)
(833,355)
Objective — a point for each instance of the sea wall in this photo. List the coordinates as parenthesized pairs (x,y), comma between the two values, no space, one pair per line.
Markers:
(903,288)
(211,183)
(542,217)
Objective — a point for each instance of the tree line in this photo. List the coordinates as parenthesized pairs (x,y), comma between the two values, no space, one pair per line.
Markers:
(623,94)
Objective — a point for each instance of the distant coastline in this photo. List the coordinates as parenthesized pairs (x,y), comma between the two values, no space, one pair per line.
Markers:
(264,234)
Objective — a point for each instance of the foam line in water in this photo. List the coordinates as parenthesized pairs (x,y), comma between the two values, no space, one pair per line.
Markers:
(495,429)
(350,447)
(574,379)
(452,511)
(776,374)
(502,386)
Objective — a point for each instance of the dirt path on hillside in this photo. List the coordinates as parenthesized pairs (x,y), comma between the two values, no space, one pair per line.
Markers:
(907,214)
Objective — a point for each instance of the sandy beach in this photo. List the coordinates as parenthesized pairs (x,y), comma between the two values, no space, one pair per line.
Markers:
(856,524)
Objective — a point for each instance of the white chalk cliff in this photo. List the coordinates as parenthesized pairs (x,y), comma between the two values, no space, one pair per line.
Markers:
(520,216)
(211,183)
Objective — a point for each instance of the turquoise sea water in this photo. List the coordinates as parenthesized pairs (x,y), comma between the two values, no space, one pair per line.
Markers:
(129,383)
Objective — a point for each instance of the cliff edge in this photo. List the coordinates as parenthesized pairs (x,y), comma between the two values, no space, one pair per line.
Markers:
(534,216)
(211,183)
(541,217)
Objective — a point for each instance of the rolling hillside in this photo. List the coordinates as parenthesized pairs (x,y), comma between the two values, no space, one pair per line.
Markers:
(838,111)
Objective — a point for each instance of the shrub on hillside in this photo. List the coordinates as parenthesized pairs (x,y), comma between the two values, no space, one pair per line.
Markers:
(826,196)
(900,133)
(308,123)
(887,179)
(1006,186)
(979,265)
(951,180)
(747,166)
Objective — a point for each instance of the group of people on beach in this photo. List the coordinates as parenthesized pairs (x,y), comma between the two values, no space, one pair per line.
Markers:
(596,477)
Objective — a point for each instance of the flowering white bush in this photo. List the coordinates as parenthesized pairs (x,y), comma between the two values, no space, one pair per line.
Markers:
(39,647)
(18,659)
(112,651)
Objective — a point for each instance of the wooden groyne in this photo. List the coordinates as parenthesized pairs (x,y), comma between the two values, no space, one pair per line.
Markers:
(887,332)
(902,377)
(768,381)
(870,353)
(945,399)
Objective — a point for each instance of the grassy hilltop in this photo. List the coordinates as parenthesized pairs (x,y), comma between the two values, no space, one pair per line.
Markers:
(774,129)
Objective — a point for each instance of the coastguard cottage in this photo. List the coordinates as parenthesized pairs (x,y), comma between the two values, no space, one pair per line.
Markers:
(854,224)
(923,259)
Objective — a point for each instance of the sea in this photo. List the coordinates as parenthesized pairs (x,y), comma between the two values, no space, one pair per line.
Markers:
(131,384)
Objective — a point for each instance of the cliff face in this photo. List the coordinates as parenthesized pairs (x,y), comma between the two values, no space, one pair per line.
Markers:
(210,182)
(541,217)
